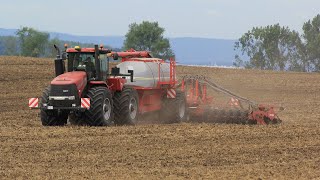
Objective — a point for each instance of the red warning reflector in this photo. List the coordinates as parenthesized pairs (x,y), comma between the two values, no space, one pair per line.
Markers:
(85,103)
(33,102)
(171,93)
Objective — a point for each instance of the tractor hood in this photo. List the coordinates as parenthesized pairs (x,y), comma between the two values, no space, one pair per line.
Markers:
(79,78)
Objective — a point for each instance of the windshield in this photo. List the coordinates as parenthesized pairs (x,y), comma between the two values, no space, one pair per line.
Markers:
(79,61)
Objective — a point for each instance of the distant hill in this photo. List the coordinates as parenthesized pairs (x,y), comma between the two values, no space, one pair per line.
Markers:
(7,32)
(199,51)
(113,41)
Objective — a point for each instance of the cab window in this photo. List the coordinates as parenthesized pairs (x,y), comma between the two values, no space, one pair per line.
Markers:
(80,61)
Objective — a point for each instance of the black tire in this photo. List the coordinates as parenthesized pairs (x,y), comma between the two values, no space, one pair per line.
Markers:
(51,117)
(212,115)
(244,117)
(126,107)
(222,116)
(174,110)
(277,121)
(100,112)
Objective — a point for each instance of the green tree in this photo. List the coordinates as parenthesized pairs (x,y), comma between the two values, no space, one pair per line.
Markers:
(51,51)
(311,35)
(11,45)
(33,42)
(148,36)
(271,47)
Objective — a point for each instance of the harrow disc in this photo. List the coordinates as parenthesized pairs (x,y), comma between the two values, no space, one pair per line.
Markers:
(224,116)
(233,116)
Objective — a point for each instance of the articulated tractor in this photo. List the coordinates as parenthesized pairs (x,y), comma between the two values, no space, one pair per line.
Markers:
(86,91)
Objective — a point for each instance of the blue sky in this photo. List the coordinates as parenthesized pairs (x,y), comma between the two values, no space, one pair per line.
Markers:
(227,19)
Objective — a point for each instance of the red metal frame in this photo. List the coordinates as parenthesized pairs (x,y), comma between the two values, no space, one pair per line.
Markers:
(131,53)
(198,102)
(263,111)
(172,82)
(150,100)
(114,84)
(192,89)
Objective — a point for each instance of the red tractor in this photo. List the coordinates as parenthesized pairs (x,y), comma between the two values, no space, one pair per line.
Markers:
(87,93)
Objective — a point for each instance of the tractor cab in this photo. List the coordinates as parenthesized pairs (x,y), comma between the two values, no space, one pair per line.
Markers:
(91,60)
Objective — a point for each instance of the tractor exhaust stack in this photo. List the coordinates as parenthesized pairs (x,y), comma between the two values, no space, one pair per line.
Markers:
(58,62)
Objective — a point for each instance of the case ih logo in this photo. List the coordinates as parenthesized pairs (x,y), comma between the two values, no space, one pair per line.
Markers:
(85,103)
(171,93)
(33,102)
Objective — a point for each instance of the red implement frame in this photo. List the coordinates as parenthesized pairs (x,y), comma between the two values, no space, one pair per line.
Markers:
(198,101)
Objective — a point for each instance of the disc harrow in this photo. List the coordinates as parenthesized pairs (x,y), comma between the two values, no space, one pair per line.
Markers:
(238,110)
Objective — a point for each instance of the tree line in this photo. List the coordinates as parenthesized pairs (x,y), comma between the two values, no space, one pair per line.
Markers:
(146,36)
(33,43)
(276,47)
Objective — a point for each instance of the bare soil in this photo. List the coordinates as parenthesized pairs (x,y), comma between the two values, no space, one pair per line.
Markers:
(157,151)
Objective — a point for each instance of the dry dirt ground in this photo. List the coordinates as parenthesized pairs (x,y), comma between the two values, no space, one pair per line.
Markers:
(179,151)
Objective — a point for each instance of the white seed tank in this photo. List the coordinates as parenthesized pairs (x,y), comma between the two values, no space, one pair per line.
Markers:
(146,74)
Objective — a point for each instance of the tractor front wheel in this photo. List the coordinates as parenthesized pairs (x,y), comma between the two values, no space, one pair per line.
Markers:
(51,117)
(100,112)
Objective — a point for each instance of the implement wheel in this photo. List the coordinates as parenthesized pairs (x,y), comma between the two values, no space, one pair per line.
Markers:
(126,106)
(174,110)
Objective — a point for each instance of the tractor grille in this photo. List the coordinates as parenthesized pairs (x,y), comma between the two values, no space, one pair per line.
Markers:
(64,90)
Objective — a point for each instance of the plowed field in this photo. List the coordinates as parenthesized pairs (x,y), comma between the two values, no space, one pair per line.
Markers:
(156,151)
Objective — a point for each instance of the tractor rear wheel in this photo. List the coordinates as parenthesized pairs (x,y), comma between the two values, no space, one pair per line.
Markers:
(100,112)
(51,117)
(174,110)
(126,107)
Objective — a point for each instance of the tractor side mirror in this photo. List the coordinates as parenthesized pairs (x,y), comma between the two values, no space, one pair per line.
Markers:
(131,75)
